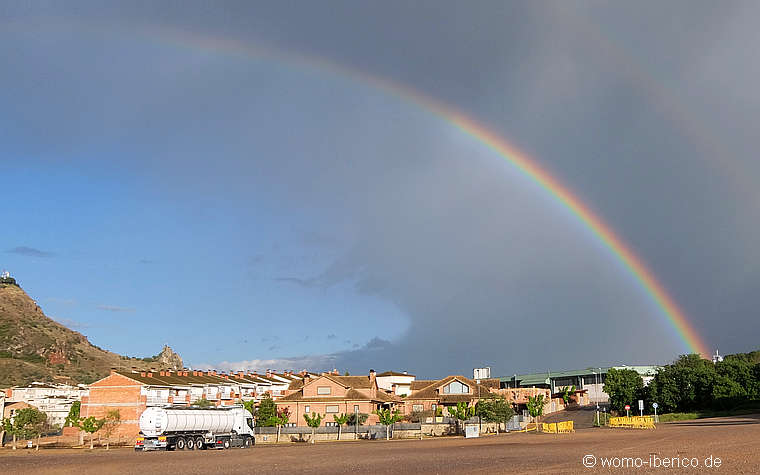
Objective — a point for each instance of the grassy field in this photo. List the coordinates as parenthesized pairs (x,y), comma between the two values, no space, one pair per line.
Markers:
(753,408)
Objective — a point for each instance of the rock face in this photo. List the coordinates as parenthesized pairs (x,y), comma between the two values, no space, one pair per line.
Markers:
(35,348)
(168,359)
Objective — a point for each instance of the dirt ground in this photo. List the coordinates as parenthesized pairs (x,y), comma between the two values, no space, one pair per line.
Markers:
(732,440)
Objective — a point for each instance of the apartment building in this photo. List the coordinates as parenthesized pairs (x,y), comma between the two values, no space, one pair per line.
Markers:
(55,400)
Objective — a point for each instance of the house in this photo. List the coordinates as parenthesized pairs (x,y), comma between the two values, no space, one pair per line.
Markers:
(55,400)
(330,395)
(396,383)
(9,412)
(429,395)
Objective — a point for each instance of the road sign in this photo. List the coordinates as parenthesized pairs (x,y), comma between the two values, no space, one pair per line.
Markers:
(655,405)
(627,407)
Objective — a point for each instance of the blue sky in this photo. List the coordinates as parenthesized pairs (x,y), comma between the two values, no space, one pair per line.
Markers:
(262,211)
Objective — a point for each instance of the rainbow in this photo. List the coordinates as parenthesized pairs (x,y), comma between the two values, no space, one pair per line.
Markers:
(528,167)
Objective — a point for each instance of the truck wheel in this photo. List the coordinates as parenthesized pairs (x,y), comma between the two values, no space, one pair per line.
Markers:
(247,442)
(199,443)
(181,444)
(226,443)
(190,443)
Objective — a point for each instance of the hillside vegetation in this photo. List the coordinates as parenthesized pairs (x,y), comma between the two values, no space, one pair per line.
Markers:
(34,347)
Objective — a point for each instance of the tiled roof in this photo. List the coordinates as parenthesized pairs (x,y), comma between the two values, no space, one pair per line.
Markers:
(422,383)
(358,389)
(173,379)
(430,390)
(359,382)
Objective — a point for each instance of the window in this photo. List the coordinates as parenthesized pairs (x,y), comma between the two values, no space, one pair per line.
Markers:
(307,409)
(433,407)
(324,390)
(455,387)
(417,408)
(331,409)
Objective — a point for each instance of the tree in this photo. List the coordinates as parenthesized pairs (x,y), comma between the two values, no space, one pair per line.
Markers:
(341,420)
(314,421)
(624,387)
(567,393)
(536,407)
(72,420)
(27,423)
(266,414)
(362,418)
(461,412)
(282,418)
(494,408)
(91,425)
(110,423)
(202,403)
(387,418)
(250,406)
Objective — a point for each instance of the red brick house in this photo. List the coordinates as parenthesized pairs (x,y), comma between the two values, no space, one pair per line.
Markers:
(330,395)
(428,395)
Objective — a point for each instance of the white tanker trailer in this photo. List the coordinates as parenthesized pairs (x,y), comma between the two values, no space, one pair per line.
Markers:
(187,428)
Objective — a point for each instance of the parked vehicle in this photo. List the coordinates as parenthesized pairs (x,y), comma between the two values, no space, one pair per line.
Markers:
(187,428)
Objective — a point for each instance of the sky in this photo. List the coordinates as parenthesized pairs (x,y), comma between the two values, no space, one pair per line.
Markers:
(239,181)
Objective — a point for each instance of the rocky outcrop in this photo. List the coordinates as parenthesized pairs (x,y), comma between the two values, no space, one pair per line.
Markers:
(168,359)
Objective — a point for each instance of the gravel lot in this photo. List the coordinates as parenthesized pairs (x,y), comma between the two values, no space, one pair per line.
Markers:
(733,440)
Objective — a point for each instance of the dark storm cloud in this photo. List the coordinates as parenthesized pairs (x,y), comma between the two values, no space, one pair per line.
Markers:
(626,104)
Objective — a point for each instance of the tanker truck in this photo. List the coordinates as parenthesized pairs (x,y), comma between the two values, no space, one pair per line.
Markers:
(188,428)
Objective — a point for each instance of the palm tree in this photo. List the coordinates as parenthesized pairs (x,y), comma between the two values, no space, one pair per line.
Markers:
(340,420)
(313,422)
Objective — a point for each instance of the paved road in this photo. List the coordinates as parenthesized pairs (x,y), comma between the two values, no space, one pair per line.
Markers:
(733,440)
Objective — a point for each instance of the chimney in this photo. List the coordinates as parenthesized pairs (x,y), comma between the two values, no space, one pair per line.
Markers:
(113,370)
(336,372)
(150,374)
(306,379)
(241,374)
(372,384)
(161,373)
(142,373)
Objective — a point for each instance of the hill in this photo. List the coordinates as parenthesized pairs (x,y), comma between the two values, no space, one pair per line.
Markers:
(34,347)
